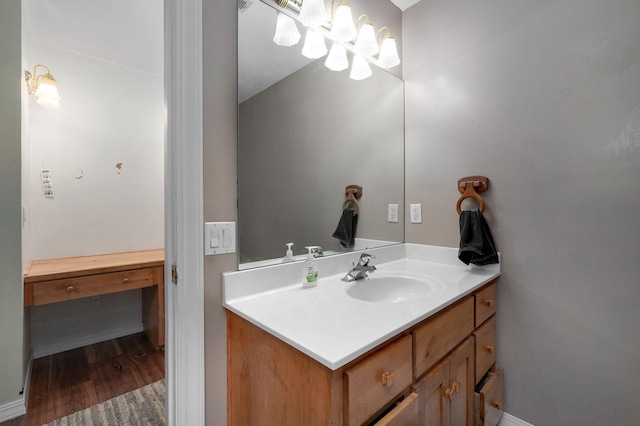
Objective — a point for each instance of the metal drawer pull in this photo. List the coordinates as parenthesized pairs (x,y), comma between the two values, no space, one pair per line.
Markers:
(387,379)
(70,289)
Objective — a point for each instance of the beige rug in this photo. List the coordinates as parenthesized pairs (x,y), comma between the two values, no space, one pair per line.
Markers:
(141,407)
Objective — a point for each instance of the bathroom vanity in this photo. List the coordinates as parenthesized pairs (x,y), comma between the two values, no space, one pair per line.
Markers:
(406,346)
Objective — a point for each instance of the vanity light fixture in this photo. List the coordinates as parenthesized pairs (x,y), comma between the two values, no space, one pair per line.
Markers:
(359,37)
(342,27)
(337,59)
(388,56)
(366,44)
(43,86)
(314,45)
(287,33)
(360,68)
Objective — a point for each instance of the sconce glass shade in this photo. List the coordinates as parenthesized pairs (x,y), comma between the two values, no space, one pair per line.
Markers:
(287,33)
(388,53)
(366,44)
(343,29)
(337,59)
(313,13)
(314,45)
(47,92)
(360,68)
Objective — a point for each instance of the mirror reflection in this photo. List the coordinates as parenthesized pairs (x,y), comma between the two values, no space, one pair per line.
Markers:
(305,134)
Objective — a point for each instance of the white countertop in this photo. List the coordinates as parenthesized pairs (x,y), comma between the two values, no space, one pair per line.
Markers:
(330,326)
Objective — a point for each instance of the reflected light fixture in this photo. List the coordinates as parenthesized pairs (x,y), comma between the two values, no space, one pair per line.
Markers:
(287,33)
(337,59)
(314,45)
(360,68)
(342,27)
(43,86)
(388,56)
(366,44)
(313,13)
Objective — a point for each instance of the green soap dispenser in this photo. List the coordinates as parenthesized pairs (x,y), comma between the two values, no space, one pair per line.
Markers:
(310,270)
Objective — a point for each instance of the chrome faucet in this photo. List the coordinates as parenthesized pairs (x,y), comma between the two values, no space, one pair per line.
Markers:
(360,270)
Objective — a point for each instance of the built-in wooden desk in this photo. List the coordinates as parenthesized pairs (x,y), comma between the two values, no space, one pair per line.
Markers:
(56,280)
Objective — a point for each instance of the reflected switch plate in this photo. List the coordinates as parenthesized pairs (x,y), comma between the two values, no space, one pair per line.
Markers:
(219,237)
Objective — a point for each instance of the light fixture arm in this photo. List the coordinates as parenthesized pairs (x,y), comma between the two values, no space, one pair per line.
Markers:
(366,21)
(33,80)
(385,35)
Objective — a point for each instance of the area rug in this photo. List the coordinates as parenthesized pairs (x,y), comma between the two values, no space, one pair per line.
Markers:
(141,407)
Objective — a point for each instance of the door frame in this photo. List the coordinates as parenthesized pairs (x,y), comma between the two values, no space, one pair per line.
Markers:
(184,215)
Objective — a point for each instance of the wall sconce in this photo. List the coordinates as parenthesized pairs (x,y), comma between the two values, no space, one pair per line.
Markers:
(43,86)
(366,44)
(287,33)
(342,27)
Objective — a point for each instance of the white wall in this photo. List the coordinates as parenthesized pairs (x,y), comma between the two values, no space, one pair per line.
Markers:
(109,115)
(543,97)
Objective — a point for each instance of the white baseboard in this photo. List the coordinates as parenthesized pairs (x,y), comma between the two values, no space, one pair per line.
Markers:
(90,339)
(509,420)
(11,410)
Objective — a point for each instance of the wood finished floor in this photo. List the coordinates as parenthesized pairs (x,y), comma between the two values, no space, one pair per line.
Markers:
(70,381)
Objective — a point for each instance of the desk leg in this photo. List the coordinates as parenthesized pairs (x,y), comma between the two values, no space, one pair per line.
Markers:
(153,309)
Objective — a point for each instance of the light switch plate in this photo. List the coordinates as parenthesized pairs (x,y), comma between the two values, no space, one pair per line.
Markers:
(219,237)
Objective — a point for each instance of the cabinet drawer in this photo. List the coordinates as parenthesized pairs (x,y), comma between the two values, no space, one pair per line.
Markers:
(376,380)
(440,334)
(485,347)
(74,288)
(489,400)
(403,414)
(485,303)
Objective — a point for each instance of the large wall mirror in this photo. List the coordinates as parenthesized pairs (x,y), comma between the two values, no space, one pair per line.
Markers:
(305,133)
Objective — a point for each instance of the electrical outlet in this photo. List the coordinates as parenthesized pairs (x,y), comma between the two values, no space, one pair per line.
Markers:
(416,213)
(96,301)
(392,216)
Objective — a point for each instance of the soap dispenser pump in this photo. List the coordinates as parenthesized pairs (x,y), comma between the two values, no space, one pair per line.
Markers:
(288,257)
(310,270)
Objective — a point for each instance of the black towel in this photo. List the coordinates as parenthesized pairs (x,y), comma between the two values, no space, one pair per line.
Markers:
(346,230)
(476,241)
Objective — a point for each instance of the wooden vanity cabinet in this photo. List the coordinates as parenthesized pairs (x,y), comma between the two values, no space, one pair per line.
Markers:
(424,376)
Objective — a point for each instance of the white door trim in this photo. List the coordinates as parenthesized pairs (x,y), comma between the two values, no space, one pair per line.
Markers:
(184,213)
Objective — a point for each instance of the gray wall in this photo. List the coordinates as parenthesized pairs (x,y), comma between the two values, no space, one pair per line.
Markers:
(10,207)
(301,142)
(544,99)
(219,157)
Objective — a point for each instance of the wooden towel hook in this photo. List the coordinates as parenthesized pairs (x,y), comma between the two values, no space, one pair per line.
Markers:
(353,193)
(470,186)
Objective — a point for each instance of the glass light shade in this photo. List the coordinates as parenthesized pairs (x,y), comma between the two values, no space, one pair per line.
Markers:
(360,68)
(337,59)
(366,44)
(313,13)
(47,92)
(388,53)
(314,45)
(287,33)
(343,29)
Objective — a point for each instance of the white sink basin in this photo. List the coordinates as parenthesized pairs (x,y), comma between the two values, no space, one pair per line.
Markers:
(394,288)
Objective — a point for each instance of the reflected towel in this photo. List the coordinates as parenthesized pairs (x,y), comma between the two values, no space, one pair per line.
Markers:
(476,241)
(346,230)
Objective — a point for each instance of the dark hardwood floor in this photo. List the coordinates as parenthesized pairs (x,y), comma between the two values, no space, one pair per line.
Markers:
(71,381)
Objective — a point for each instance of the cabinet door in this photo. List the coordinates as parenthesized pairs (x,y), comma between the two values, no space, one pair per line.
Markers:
(461,376)
(433,406)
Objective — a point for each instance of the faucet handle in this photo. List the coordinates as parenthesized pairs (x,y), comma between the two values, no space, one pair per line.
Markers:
(365,258)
